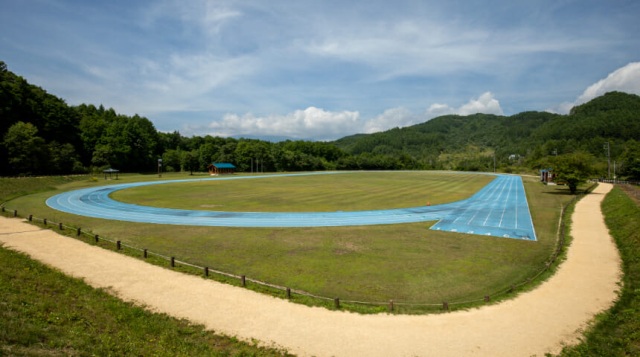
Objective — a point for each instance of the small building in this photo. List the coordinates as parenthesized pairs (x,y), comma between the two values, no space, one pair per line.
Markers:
(546,175)
(110,171)
(221,168)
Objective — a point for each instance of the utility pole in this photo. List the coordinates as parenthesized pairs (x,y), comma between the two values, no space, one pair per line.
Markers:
(608,148)
(494,160)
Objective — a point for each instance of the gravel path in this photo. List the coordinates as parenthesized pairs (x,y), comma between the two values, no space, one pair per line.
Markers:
(534,323)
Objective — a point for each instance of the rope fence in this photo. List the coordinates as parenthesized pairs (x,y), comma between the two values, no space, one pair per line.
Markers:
(289,292)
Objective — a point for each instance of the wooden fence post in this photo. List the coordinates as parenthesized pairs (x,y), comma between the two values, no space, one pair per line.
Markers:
(445,306)
(336,303)
(391,305)
(206,271)
(144,253)
(78,232)
(30,217)
(15,213)
(44,222)
(173,262)
(244,280)
(97,237)
(118,245)
(487,298)
(60,226)
(289,293)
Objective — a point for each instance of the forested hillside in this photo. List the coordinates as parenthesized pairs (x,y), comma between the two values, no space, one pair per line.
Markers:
(607,127)
(41,134)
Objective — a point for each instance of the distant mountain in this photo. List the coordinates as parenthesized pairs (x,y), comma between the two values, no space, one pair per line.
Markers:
(450,141)
(269,138)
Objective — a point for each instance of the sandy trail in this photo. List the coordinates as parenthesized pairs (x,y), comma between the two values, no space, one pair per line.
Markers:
(534,323)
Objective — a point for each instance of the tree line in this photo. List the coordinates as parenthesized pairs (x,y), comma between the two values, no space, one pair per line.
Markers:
(41,134)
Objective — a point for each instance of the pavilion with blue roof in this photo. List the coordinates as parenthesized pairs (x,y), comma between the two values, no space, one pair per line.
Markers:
(221,168)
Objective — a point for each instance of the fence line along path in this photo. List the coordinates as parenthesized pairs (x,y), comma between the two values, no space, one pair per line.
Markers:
(534,323)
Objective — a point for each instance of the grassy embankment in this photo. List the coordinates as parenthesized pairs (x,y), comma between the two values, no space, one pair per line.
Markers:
(45,313)
(617,331)
(407,263)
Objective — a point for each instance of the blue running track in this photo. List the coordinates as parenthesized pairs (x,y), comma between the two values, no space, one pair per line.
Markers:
(499,209)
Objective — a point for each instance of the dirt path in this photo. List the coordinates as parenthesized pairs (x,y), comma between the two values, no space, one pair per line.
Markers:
(534,323)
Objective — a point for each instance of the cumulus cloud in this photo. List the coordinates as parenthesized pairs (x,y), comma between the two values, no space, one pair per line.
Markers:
(625,79)
(486,104)
(319,124)
(312,122)
(391,118)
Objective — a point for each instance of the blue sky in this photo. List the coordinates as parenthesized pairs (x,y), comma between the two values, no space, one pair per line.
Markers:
(321,70)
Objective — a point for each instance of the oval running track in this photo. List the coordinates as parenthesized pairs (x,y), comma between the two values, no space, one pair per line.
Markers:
(534,323)
(499,209)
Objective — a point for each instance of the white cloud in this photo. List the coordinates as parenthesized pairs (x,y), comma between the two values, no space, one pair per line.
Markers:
(391,118)
(311,122)
(208,16)
(319,124)
(625,79)
(405,48)
(486,104)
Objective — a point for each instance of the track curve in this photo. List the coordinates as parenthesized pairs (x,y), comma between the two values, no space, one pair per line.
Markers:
(499,209)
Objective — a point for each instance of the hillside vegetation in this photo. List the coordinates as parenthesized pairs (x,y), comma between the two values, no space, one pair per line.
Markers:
(41,134)
(523,140)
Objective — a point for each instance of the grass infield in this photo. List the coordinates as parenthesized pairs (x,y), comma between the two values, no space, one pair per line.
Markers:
(407,263)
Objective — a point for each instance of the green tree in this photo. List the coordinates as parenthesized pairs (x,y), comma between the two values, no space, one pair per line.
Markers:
(25,149)
(190,161)
(630,161)
(172,159)
(63,159)
(574,169)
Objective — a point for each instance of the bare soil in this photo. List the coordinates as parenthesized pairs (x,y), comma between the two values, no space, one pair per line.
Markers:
(534,323)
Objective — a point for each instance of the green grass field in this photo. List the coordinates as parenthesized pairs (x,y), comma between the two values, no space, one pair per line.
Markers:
(317,193)
(407,263)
